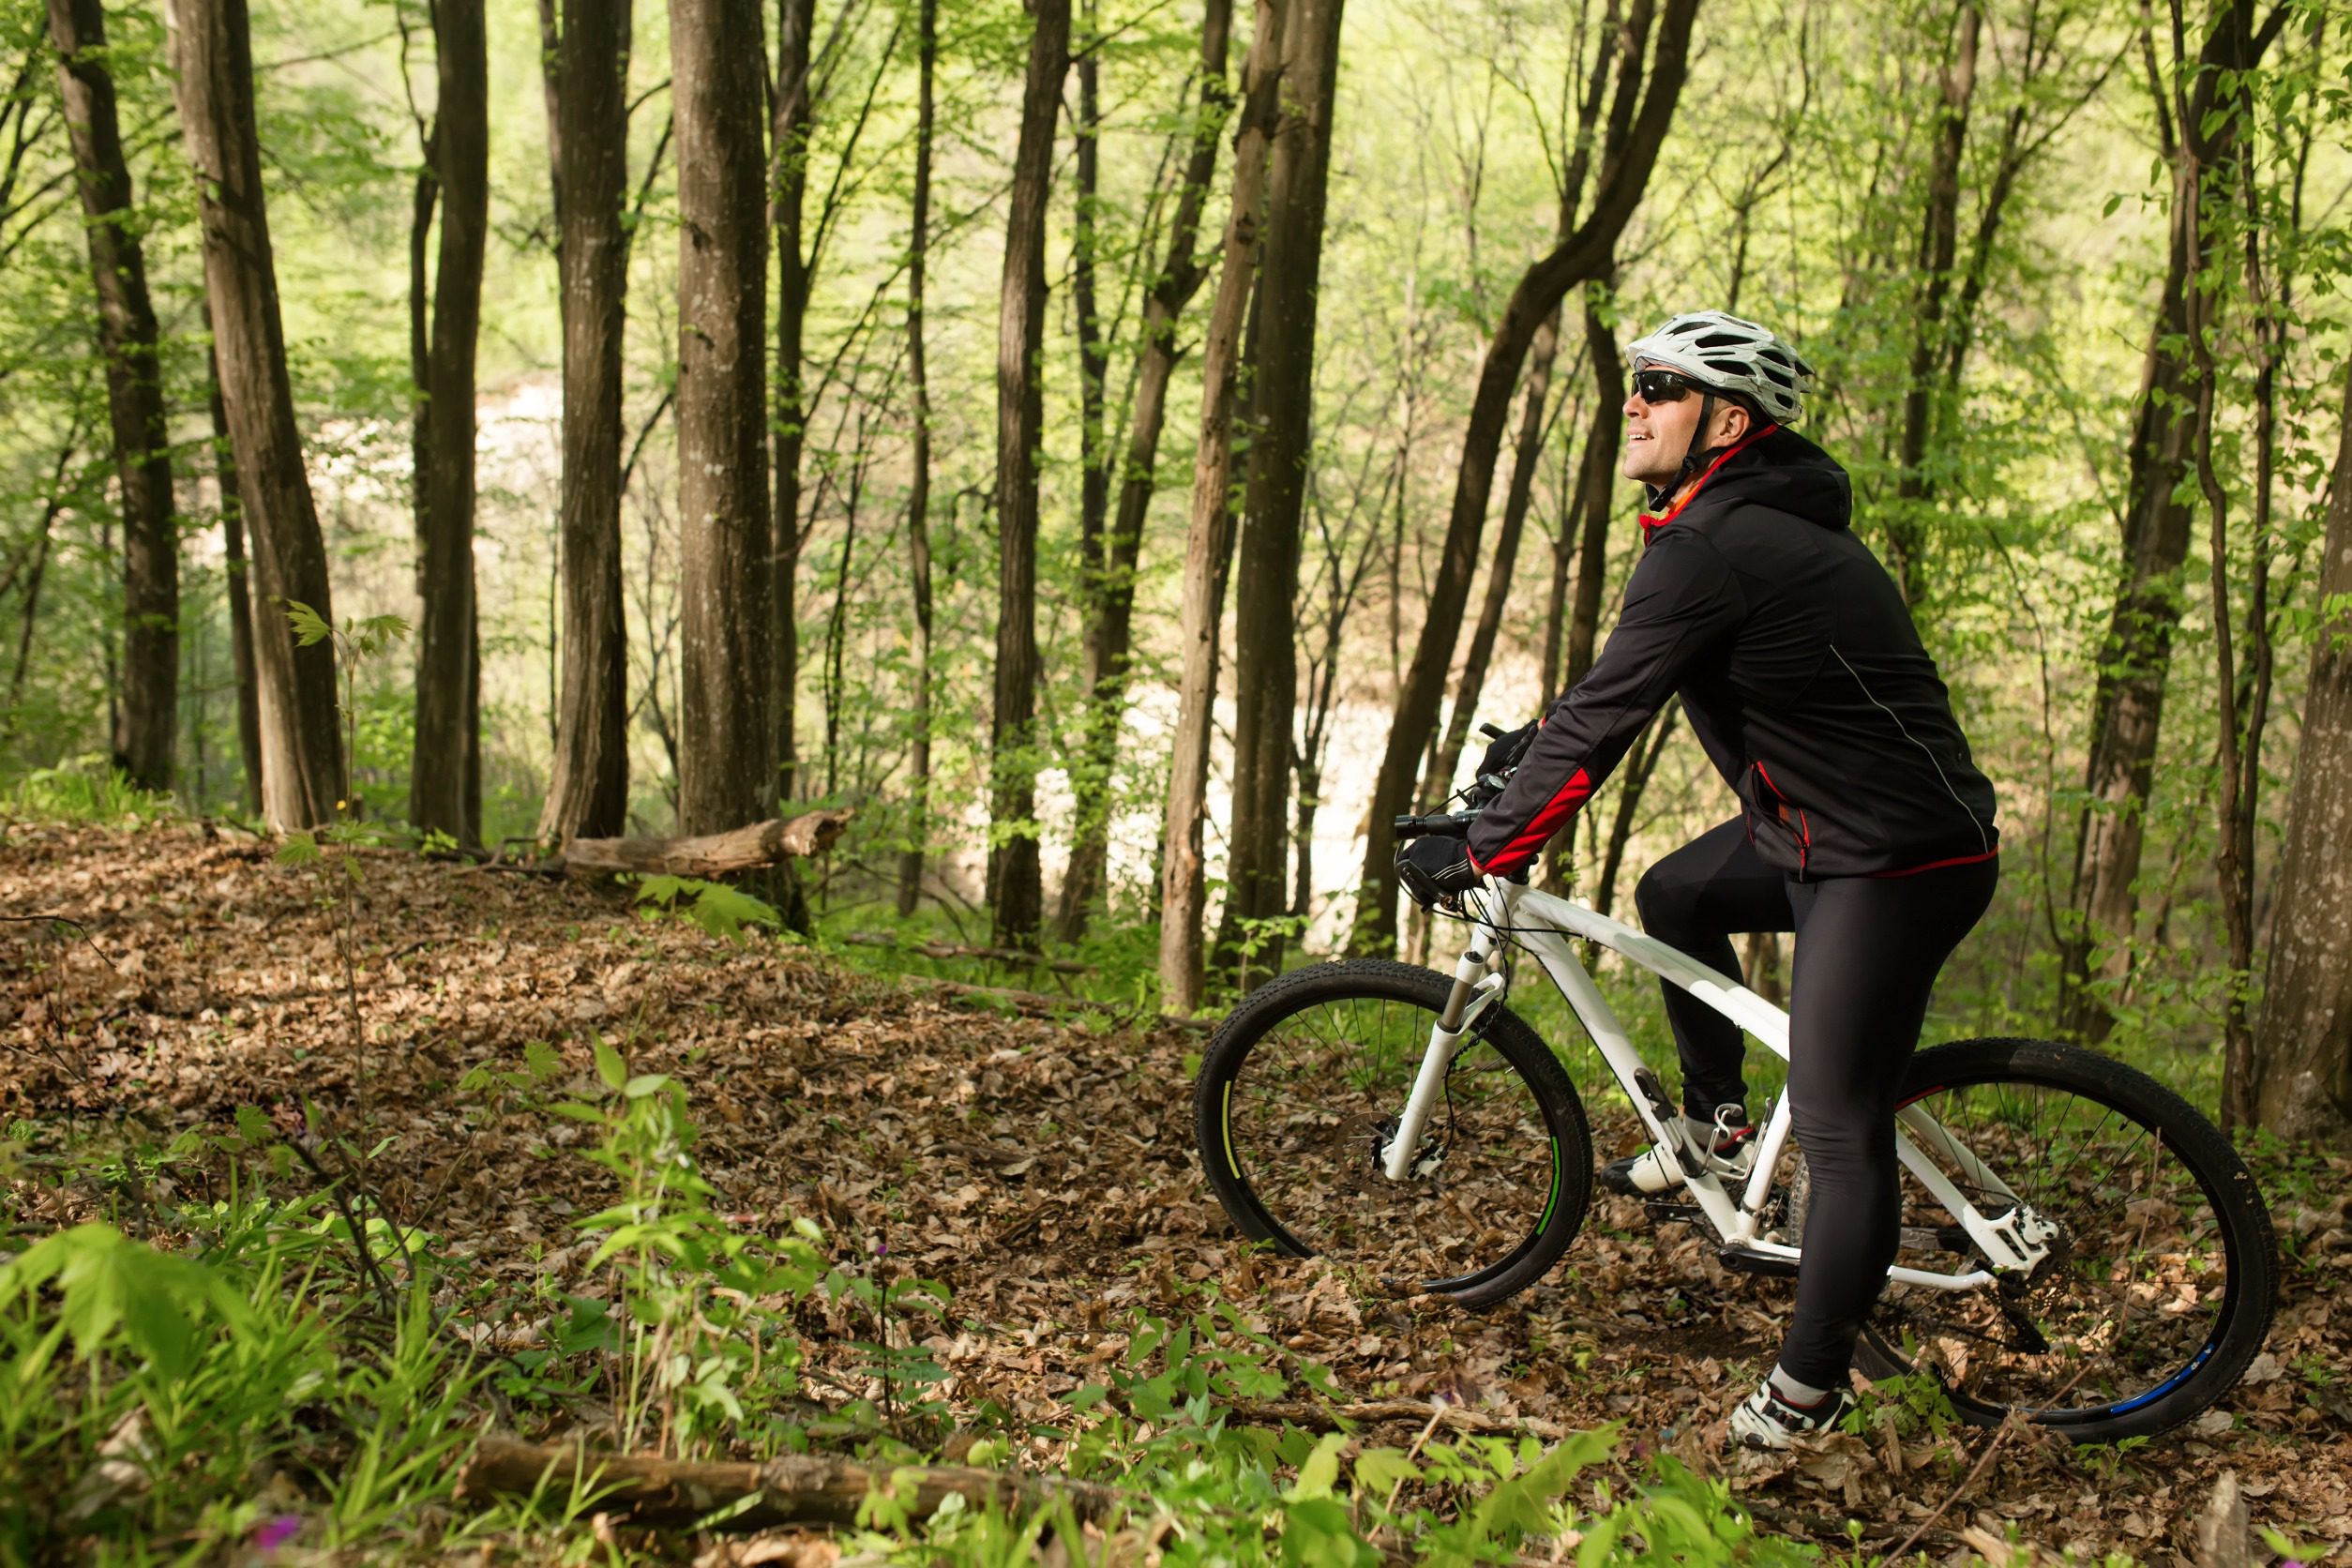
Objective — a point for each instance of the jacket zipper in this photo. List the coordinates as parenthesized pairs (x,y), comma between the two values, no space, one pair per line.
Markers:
(1804,825)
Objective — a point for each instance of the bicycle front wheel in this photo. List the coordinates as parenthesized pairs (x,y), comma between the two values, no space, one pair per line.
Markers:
(2162,1272)
(1301,1088)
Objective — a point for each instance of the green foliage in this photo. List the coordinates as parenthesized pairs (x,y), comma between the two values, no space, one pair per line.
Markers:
(720,909)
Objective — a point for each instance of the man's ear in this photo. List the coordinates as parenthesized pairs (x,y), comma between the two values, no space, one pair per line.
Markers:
(1732,422)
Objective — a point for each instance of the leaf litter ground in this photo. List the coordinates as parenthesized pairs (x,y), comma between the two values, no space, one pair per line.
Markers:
(1040,1169)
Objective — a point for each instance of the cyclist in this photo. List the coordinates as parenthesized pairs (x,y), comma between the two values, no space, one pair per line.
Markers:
(1865,828)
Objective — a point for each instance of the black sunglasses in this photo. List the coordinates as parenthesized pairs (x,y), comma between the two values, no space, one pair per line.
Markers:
(1663,386)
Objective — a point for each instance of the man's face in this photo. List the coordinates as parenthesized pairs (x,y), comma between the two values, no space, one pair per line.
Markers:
(1658,434)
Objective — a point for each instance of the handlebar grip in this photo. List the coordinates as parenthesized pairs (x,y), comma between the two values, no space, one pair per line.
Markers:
(1456,825)
(1493,731)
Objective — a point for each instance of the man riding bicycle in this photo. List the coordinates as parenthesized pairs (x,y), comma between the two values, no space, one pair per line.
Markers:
(1865,828)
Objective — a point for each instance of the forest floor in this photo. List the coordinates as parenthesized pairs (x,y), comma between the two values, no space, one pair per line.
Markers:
(1040,1169)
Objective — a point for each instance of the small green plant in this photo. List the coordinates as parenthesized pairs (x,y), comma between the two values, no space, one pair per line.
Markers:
(700,1349)
(721,911)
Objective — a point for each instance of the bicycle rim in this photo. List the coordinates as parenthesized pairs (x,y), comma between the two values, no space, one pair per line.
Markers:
(1305,1105)
(2151,1281)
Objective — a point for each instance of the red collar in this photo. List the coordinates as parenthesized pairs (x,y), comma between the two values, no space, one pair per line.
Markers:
(1650,524)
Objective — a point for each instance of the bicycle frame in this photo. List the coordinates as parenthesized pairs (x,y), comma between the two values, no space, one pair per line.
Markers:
(1543,925)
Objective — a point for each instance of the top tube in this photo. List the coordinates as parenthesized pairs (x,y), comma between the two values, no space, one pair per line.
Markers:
(1516,908)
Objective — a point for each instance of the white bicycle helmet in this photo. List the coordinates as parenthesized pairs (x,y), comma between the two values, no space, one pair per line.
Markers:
(1733,355)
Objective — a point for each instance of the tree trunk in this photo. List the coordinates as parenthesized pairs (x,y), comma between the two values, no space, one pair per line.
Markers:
(1093,794)
(1265,650)
(724,778)
(1015,891)
(134,396)
(1596,489)
(1907,524)
(303,770)
(234,566)
(1109,638)
(1500,581)
(795,120)
(1184,886)
(443,791)
(588,787)
(919,480)
(2136,659)
(2301,1072)
(1585,255)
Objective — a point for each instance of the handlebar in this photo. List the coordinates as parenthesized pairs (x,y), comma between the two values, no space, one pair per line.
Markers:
(1454,824)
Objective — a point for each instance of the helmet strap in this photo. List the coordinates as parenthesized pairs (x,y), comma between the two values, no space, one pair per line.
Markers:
(1694,457)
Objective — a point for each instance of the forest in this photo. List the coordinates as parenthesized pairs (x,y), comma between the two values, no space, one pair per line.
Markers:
(664,661)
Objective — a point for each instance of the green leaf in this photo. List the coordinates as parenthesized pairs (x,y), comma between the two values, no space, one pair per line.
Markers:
(1319,1468)
(1378,1469)
(300,849)
(254,1127)
(541,1061)
(310,628)
(609,1066)
(1523,1504)
(644,1084)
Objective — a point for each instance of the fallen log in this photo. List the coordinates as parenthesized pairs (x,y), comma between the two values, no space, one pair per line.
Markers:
(958,950)
(791,1489)
(710,855)
(1315,1416)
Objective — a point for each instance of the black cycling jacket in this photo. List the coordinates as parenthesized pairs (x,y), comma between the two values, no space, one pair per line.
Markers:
(1800,671)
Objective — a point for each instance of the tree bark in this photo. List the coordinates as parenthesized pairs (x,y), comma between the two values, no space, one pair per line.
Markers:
(1586,254)
(234,568)
(2301,1074)
(1265,648)
(588,787)
(725,780)
(303,767)
(1093,794)
(134,396)
(1209,538)
(1109,641)
(2136,659)
(1500,581)
(710,855)
(1596,488)
(1939,246)
(919,461)
(1015,891)
(444,778)
(795,120)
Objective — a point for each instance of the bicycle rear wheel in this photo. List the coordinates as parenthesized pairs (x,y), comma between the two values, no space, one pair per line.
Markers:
(2162,1276)
(1302,1087)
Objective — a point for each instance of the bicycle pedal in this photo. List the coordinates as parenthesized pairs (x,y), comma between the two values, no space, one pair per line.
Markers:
(1673,1213)
(1741,1260)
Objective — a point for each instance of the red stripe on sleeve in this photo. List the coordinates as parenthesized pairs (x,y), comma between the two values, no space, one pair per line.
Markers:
(1540,827)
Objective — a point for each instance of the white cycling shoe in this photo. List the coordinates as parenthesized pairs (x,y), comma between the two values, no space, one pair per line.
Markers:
(1766,1418)
(1730,1140)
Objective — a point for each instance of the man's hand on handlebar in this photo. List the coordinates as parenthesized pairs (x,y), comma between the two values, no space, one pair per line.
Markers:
(1436,869)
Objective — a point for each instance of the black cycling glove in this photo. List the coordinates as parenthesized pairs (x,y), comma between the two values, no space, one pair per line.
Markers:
(1436,869)
(1508,748)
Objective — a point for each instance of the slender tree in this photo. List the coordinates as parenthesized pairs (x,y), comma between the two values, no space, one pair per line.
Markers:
(212,57)
(445,769)
(2300,1076)
(588,790)
(234,570)
(1015,892)
(1265,648)
(1584,255)
(919,459)
(794,123)
(1208,541)
(1109,627)
(2136,659)
(724,777)
(134,396)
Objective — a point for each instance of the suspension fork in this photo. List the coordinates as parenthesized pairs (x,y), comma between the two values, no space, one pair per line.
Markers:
(1477,985)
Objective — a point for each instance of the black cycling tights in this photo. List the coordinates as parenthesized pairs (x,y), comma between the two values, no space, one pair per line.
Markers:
(1867,952)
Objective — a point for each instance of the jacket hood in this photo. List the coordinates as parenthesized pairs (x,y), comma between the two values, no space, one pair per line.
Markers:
(1788,474)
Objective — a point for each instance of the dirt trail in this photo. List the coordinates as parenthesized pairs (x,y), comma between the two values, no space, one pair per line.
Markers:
(1041,1169)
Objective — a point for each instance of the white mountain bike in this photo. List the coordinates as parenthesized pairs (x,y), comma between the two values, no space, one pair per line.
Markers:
(2078,1243)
